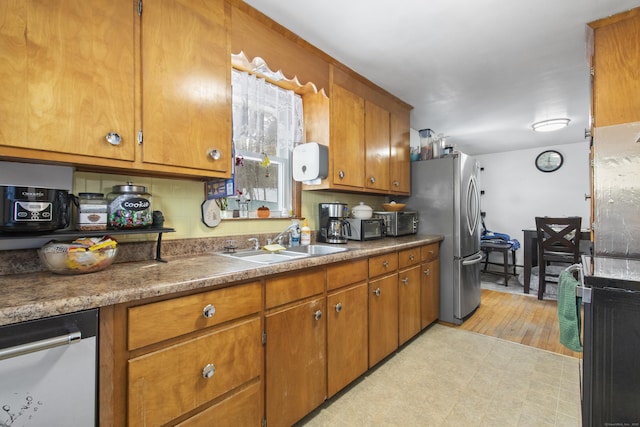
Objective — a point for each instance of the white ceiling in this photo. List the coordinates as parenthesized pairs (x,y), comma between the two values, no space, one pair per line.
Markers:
(480,72)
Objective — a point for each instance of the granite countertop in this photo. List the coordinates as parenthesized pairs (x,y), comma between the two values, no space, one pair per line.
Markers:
(38,295)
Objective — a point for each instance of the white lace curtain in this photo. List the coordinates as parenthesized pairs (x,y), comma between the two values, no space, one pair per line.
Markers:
(266,118)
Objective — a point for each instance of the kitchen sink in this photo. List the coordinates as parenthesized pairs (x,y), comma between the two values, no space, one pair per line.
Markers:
(317,249)
(263,257)
(290,254)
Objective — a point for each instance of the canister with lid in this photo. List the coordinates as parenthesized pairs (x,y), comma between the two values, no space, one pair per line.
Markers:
(92,212)
(129,206)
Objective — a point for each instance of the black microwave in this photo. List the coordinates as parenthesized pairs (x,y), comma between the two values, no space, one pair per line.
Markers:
(365,229)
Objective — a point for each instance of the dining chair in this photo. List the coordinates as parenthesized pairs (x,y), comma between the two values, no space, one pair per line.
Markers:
(558,243)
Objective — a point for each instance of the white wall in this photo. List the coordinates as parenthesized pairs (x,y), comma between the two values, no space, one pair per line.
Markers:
(515,192)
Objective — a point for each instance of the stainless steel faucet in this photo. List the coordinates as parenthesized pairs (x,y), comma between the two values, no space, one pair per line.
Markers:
(256,243)
(281,235)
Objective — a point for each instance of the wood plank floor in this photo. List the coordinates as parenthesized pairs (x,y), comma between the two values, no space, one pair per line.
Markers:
(518,318)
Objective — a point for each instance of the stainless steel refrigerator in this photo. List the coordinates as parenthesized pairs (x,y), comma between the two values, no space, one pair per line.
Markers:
(445,192)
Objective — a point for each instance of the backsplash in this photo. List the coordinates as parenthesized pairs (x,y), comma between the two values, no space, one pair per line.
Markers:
(180,202)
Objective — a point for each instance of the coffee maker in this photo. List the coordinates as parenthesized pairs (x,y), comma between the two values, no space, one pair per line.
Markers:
(333,223)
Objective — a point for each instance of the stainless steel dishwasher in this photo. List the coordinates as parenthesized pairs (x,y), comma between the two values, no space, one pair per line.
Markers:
(48,374)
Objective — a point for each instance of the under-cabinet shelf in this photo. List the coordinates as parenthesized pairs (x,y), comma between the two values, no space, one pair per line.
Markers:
(36,239)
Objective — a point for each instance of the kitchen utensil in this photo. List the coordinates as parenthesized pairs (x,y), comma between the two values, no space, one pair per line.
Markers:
(33,209)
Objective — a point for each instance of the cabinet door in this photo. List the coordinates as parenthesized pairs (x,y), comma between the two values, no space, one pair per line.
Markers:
(615,79)
(399,165)
(295,362)
(170,382)
(430,292)
(347,138)
(409,320)
(347,330)
(67,77)
(383,318)
(376,147)
(186,79)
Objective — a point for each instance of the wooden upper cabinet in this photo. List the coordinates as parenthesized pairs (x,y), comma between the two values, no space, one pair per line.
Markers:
(376,147)
(399,164)
(67,78)
(186,85)
(616,63)
(347,138)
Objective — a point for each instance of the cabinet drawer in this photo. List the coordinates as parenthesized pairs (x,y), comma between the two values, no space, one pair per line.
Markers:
(294,286)
(429,252)
(382,264)
(346,273)
(241,409)
(408,257)
(162,320)
(168,383)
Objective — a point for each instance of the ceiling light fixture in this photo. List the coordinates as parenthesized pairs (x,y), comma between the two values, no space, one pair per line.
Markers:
(550,125)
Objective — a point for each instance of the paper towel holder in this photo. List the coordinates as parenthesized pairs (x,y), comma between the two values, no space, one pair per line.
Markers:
(310,163)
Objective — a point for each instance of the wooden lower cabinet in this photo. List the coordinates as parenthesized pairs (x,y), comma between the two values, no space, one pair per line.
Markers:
(430,284)
(383,317)
(409,320)
(243,408)
(167,383)
(295,361)
(347,336)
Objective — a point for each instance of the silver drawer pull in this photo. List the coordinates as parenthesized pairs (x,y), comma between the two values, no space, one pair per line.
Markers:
(427,272)
(317,315)
(31,347)
(411,257)
(214,154)
(341,174)
(208,371)
(405,280)
(113,138)
(385,264)
(377,292)
(209,310)
(338,307)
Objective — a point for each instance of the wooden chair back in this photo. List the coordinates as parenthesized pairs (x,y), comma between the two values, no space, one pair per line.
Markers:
(559,238)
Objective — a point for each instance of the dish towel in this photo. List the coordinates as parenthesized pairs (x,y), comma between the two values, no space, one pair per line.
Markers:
(569,312)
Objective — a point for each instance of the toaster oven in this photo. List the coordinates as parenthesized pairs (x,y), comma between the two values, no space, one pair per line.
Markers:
(399,223)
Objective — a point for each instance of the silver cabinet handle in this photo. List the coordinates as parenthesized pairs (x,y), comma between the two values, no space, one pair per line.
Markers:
(396,183)
(411,257)
(372,179)
(208,371)
(317,315)
(113,138)
(338,307)
(31,347)
(214,154)
(385,264)
(341,174)
(405,280)
(427,272)
(377,292)
(209,310)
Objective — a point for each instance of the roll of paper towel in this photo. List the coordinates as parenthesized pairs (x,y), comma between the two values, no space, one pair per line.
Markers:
(310,162)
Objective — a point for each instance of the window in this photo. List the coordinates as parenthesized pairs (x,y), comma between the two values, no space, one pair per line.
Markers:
(267,124)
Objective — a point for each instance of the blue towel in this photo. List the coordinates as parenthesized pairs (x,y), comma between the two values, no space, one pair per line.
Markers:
(569,312)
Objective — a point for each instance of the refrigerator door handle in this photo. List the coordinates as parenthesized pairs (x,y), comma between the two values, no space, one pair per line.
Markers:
(473,206)
(475,259)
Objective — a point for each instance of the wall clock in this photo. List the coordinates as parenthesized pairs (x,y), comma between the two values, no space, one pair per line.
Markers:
(549,161)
